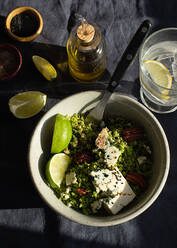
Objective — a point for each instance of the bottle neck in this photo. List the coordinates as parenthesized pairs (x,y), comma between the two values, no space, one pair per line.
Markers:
(85,32)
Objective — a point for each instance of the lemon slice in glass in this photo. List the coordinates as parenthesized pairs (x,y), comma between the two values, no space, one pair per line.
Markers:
(55,169)
(27,104)
(159,74)
(45,68)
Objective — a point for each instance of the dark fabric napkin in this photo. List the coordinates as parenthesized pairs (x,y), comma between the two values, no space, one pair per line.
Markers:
(25,220)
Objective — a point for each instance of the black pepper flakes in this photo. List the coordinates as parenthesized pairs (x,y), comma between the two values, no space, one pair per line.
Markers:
(24,24)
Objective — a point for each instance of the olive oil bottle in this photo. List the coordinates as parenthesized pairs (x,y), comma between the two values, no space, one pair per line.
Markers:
(86,50)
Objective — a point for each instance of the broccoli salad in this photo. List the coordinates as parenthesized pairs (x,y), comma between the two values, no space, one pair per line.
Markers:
(109,167)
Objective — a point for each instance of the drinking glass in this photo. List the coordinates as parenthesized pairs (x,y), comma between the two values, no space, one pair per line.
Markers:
(159,50)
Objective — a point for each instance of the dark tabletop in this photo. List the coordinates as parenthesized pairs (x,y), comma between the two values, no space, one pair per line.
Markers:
(25,220)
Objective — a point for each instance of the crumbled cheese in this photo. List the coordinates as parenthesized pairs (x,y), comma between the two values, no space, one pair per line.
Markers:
(112,154)
(141,159)
(69,204)
(102,139)
(71,178)
(96,205)
(66,151)
(147,149)
(64,196)
(68,189)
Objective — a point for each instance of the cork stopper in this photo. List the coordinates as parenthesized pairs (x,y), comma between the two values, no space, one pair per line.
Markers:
(85,32)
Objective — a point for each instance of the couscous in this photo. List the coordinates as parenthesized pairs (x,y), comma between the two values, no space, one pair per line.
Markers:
(109,167)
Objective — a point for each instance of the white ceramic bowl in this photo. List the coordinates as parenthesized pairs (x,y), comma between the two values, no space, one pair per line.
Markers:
(40,146)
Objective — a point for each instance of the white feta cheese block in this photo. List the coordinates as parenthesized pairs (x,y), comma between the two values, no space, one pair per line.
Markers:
(115,187)
(123,188)
(122,199)
(112,154)
(102,139)
(115,204)
(111,205)
(96,205)
(112,182)
(141,159)
(71,178)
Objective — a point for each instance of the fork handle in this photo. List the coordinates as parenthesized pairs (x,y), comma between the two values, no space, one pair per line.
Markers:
(129,54)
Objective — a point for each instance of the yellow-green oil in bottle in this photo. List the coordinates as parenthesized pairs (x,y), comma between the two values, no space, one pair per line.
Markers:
(86,53)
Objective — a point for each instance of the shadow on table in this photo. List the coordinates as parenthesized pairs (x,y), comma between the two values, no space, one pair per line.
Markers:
(164,15)
(47,236)
(50,236)
(17,190)
(27,239)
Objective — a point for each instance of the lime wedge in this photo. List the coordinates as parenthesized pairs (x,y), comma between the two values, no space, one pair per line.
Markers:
(55,169)
(159,74)
(45,68)
(62,134)
(27,104)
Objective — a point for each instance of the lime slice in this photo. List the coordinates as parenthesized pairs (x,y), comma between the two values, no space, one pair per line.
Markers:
(62,134)
(45,68)
(159,74)
(27,104)
(55,169)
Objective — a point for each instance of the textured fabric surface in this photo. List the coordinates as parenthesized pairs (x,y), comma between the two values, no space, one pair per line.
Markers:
(25,220)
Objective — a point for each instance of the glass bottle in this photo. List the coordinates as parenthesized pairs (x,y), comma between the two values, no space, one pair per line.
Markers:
(86,50)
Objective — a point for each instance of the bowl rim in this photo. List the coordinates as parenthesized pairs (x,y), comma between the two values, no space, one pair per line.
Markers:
(91,221)
(18,53)
(19,10)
